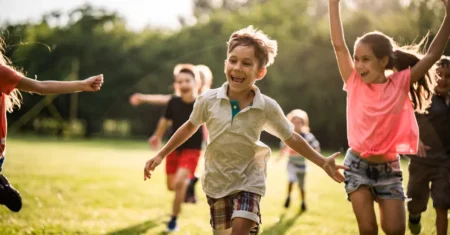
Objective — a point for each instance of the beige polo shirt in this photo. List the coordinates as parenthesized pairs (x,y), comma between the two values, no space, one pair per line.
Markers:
(235,158)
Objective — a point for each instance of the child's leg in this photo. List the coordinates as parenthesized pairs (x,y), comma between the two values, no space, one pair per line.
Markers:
(441,221)
(170,180)
(242,226)
(246,212)
(391,197)
(360,194)
(440,193)
(362,202)
(172,162)
(292,177)
(9,196)
(392,216)
(301,184)
(180,185)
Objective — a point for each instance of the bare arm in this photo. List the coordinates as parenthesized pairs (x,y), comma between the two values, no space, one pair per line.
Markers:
(155,140)
(60,87)
(137,99)
(181,135)
(343,57)
(161,128)
(297,143)
(436,48)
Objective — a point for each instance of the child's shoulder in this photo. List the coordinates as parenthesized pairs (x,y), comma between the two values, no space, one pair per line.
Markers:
(401,74)
(268,101)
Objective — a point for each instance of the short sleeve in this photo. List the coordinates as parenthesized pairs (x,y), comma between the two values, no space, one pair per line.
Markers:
(276,122)
(198,116)
(402,79)
(8,79)
(350,81)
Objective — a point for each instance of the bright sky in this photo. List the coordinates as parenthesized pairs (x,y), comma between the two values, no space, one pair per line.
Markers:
(138,13)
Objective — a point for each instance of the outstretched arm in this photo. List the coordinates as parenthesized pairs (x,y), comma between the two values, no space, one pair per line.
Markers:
(60,87)
(343,57)
(138,98)
(181,135)
(436,48)
(155,140)
(297,143)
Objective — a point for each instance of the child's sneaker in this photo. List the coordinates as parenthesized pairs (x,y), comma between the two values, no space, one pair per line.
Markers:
(288,202)
(9,196)
(303,207)
(172,225)
(191,199)
(414,225)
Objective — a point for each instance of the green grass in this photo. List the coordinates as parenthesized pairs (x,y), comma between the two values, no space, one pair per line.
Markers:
(97,187)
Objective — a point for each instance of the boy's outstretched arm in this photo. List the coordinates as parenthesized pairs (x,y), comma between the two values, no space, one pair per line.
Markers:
(181,135)
(93,83)
(297,143)
(436,49)
(344,59)
(159,99)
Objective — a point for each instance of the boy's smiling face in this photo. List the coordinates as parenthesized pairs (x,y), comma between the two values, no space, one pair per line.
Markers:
(242,68)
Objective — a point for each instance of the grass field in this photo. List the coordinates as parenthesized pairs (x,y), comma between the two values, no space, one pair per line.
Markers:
(97,187)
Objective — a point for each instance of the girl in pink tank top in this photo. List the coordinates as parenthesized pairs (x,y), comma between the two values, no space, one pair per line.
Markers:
(380,117)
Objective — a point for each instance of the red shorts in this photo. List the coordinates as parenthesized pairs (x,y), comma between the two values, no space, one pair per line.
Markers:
(185,158)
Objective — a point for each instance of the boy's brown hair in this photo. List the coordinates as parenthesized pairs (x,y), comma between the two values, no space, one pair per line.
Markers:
(265,48)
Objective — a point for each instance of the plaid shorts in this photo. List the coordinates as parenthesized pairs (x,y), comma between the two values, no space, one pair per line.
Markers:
(242,205)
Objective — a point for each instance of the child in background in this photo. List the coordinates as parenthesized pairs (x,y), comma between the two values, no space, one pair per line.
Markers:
(431,166)
(297,166)
(206,79)
(182,161)
(11,81)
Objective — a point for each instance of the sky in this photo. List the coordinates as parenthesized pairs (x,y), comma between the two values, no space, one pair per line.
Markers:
(137,13)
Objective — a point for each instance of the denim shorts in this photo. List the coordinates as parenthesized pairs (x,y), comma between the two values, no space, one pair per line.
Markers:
(383,179)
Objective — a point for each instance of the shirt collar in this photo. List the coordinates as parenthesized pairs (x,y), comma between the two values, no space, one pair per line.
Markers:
(258,100)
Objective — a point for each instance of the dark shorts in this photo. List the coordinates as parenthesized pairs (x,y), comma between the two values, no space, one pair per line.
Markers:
(2,160)
(419,190)
(383,179)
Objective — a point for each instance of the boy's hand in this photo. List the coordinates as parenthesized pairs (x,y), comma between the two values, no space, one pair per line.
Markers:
(332,169)
(150,165)
(154,141)
(135,99)
(93,83)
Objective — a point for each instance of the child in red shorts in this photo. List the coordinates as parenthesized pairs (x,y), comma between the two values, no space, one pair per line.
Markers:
(181,163)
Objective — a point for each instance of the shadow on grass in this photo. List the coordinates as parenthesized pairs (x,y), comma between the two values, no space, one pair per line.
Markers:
(281,226)
(135,229)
